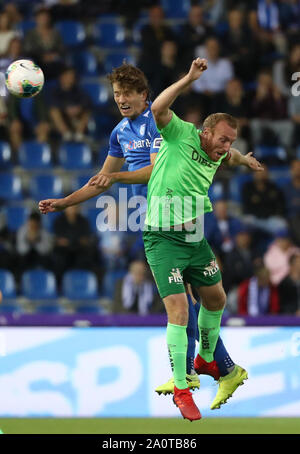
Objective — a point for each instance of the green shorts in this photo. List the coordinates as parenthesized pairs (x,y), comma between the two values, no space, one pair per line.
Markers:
(174,261)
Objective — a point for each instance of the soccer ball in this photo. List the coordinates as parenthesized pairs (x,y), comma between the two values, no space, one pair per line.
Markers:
(24,78)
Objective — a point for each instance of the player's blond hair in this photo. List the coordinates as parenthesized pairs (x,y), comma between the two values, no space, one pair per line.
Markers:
(212,120)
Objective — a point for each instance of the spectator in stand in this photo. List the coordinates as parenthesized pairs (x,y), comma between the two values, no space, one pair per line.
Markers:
(193,33)
(269,21)
(257,295)
(8,258)
(240,46)
(234,102)
(194,114)
(33,245)
(221,228)
(153,34)
(284,69)
(263,203)
(70,107)
(238,262)
(167,69)
(136,293)
(113,242)
(269,112)
(289,288)
(14,14)
(214,11)
(289,17)
(188,100)
(75,246)
(6,32)
(292,199)
(44,44)
(219,72)
(277,256)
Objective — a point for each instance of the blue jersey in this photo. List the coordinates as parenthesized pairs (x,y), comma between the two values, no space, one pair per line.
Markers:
(135,140)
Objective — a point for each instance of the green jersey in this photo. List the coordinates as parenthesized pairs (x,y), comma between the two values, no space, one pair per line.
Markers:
(181,177)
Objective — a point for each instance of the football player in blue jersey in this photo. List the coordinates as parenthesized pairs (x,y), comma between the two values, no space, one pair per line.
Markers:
(136,140)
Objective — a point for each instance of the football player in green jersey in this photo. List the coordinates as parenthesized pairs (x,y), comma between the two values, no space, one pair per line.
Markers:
(175,247)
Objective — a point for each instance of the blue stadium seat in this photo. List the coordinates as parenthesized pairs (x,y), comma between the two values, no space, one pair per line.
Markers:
(85,63)
(5,156)
(236,185)
(87,308)
(39,285)
(7,284)
(110,281)
(48,307)
(10,187)
(99,93)
(46,186)
(25,25)
(113,60)
(91,214)
(35,155)
(48,221)
(80,180)
(75,156)
(216,191)
(16,216)
(109,35)
(80,285)
(270,154)
(8,307)
(178,9)
(72,32)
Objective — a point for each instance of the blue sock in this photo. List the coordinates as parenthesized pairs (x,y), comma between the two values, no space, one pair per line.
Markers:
(191,332)
(222,358)
(221,355)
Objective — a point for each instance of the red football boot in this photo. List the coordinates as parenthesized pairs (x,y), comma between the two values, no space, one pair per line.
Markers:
(203,367)
(183,399)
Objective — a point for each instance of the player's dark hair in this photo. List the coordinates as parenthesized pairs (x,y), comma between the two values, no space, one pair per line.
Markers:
(212,120)
(130,77)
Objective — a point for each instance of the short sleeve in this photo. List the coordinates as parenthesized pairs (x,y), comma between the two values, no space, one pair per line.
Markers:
(175,129)
(115,148)
(156,138)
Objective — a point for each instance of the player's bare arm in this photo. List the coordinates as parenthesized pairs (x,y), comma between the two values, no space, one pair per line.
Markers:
(161,106)
(237,159)
(140,176)
(88,191)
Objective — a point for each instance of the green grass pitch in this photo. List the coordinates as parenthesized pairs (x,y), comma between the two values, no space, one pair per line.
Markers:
(149,426)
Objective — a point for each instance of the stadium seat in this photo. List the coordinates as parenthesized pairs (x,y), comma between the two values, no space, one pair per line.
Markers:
(110,281)
(46,186)
(87,308)
(48,308)
(7,284)
(72,32)
(25,25)
(7,307)
(39,285)
(91,213)
(75,156)
(99,93)
(10,187)
(15,216)
(109,35)
(5,156)
(270,154)
(35,155)
(113,60)
(216,191)
(48,221)
(85,63)
(178,9)
(79,181)
(80,285)
(236,185)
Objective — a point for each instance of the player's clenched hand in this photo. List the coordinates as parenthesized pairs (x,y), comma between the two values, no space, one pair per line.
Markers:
(252,163)
(51,205)
(101,180)
(198,66)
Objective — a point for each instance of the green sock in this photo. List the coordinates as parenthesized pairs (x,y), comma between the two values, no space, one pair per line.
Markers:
(177,346)
(209,323)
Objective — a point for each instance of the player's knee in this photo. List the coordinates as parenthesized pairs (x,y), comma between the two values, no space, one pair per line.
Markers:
(177,309)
